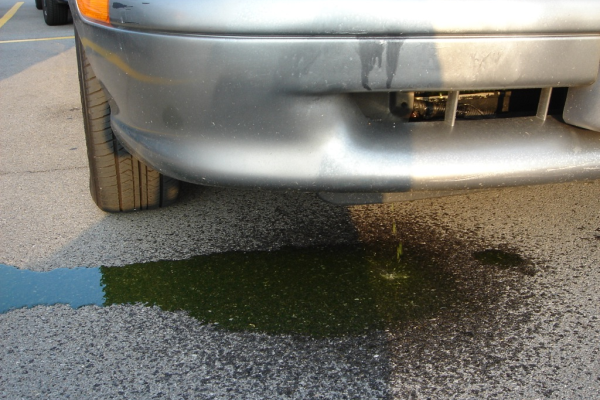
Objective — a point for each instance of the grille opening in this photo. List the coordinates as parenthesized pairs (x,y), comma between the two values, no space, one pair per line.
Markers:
(431,106)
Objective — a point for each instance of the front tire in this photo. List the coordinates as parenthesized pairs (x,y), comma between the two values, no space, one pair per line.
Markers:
(39,4)
(119,182)
(54,13)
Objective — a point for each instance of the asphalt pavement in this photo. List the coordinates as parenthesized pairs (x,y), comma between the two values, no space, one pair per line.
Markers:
(477,327)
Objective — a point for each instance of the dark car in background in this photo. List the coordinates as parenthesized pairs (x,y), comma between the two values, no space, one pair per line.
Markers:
(358,101)
(56,12)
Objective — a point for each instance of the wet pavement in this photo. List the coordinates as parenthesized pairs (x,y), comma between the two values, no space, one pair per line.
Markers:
(255,294)
(477,304)
(318,292)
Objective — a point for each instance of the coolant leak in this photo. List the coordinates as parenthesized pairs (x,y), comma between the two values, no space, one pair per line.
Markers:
(317,291)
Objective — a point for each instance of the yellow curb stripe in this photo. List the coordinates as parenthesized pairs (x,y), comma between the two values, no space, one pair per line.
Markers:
(37,40)
(10,13)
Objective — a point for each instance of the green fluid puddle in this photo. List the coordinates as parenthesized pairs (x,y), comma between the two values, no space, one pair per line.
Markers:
(319,291)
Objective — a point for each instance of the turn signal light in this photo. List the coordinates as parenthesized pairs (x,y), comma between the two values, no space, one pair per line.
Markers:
(94,9)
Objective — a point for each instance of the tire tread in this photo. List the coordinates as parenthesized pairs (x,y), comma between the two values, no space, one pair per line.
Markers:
(119,182)
(55,13)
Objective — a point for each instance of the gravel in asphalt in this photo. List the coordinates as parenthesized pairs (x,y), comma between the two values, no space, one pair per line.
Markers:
(528,331)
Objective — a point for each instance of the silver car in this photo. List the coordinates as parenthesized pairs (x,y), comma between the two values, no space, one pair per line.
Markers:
(359,101)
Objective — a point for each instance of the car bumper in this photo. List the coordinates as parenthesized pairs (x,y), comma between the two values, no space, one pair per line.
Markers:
(253,109)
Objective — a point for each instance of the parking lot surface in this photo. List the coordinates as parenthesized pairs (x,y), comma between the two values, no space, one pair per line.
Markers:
(493,294)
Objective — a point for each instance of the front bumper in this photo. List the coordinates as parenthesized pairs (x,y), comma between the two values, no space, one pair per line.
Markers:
(252,109)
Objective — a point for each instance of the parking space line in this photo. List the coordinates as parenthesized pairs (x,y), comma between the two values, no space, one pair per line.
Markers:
(10,13)
(37,40)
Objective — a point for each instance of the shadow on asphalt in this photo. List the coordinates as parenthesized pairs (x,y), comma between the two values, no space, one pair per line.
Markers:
(288,263)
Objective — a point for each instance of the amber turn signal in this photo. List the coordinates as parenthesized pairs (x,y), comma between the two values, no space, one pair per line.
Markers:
(94,9)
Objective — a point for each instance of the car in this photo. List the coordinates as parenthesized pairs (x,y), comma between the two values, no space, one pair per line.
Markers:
(360,102)
(56,12)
